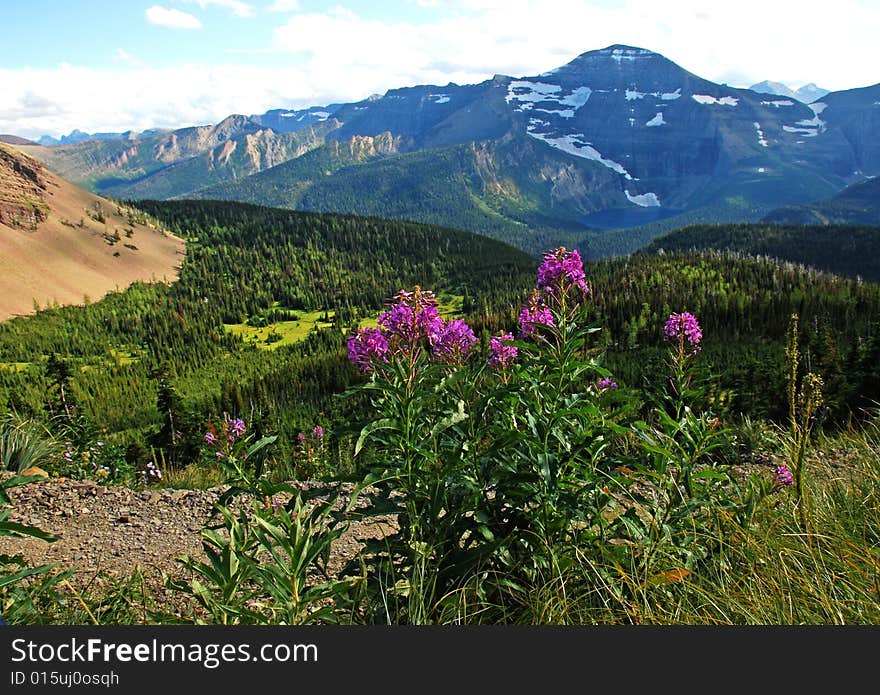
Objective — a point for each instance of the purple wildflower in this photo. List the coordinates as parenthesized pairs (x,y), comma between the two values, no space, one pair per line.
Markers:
(501,352)
(318,432)
(365,346)
(682,327)
(237,427)
(452,341)
(210,438)
(783,476)
(301,438)
(408,324)
(534,315)
(606,383)
(562,269)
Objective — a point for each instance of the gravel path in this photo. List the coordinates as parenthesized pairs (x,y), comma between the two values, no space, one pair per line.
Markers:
(107,531)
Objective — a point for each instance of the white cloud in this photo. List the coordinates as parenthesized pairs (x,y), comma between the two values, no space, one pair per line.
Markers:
(284,6)
(173,19)
(238,8)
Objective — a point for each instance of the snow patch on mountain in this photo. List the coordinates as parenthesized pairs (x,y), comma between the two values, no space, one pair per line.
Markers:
(761,139)
(778,103)
(806,132)
(577,98)
(575,144)
(645,200)
(526,94)
(523,90)
(657,120)
(723,101)
(439,98)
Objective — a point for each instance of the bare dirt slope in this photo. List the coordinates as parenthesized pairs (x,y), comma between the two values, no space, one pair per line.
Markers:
(61,244)
(107,532)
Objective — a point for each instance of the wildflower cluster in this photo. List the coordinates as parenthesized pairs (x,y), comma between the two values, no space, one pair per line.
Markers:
(501,352)
(606,384)
(309,454)
(151,473)
(783,477)
(222,439)
(95,460)
(535,314)
(681,328)
(411,321)
(561,271)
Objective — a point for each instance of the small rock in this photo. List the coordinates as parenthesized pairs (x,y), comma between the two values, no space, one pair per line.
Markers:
(123,519)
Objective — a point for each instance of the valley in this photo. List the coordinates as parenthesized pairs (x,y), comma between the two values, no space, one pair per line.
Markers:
(595,345)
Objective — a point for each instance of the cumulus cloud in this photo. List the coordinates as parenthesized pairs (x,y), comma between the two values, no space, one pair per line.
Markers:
(173,18)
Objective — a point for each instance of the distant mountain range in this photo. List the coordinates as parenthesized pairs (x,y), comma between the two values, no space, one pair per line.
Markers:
(619,137)
(806,94)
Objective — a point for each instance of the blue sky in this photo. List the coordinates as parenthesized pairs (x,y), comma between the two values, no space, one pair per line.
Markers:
(101,65)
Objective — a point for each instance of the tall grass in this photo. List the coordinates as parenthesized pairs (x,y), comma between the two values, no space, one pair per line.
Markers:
(24,444)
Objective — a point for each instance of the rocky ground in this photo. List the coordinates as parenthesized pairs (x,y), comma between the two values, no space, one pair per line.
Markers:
(105,532)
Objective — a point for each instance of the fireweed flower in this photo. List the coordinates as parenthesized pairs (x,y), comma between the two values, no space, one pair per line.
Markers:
(318,432)
(683,327)
(365,346)
(783,476)
(453,341)
(501,352)
(210,438)
(533,315)
(237,427)
(606,383)
(562,269)
(412,316)
(301,438)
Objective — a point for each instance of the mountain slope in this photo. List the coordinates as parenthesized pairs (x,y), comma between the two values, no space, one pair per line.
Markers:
(858,204)
(59,243)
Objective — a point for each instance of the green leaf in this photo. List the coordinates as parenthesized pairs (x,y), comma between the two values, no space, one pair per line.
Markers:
(11,528)
(450,420)
(384,424)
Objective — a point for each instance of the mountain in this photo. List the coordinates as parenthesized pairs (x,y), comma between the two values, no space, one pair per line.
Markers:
(617,138)
(806,94)
(164,164)
(858,204)
(586,145)
(810,93)
(59,243)
(15,140)
(769,87)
